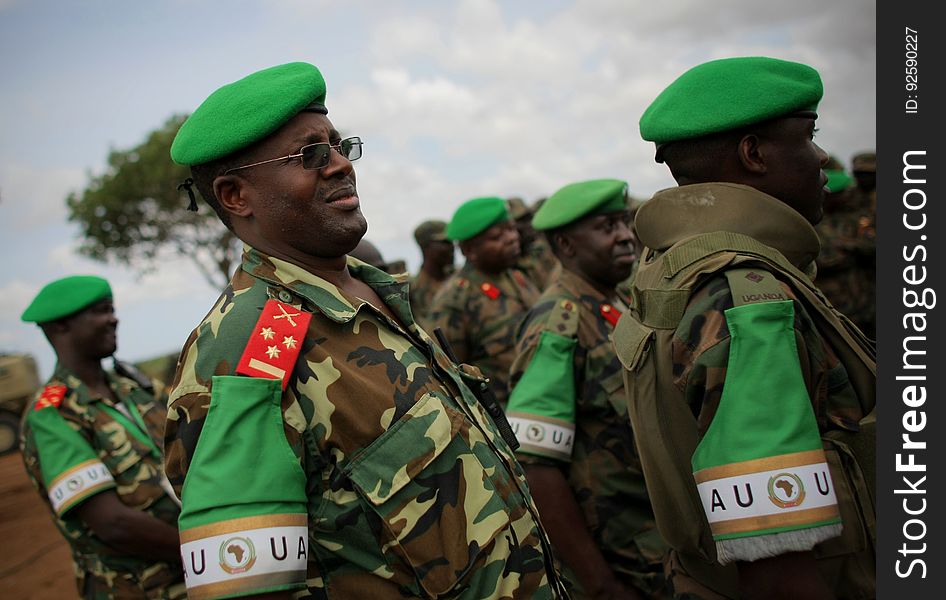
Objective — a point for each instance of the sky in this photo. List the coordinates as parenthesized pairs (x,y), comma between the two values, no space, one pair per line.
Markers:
(453,99)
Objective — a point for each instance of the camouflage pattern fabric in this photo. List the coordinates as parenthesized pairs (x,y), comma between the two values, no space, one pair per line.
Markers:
(411,491)
(102,573)
(479,316)
(538,263)
(847,263)
(604,472)
(423,289)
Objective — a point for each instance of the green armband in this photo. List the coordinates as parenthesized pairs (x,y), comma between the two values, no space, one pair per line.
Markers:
(541,407)
(243,519)
(72,471)
(760,469)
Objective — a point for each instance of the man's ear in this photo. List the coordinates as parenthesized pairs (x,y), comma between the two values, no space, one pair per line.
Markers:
(751,154)
(231,192)
(564,244)
(468,250)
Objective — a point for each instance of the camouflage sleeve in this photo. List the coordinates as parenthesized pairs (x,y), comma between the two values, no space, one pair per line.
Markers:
(761,447)
(541,406)
(68,466)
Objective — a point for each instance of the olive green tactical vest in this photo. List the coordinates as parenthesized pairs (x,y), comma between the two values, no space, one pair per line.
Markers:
(666,428)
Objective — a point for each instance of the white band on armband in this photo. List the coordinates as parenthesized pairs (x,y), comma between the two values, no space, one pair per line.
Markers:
(78,483)
(546,437)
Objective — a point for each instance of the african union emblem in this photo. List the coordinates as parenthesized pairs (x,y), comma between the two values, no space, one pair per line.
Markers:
(75,483)
(786,490)
(237,555)
(535,432)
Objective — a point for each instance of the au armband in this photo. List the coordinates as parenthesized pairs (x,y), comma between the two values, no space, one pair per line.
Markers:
(760,469)
(71,469)
(541,407)
(243,519)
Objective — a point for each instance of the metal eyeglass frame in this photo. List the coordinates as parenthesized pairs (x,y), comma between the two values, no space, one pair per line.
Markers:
(337,147)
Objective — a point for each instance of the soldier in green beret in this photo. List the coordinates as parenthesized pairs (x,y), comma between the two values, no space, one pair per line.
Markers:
(321,442)
(848,250)
(92,447)
(480,306)
(567,401)
(437,254)
(745,387)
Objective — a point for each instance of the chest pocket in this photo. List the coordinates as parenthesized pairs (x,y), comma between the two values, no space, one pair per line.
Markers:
(424,480)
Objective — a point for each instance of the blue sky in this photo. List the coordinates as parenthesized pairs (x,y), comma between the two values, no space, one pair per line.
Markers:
(453,100)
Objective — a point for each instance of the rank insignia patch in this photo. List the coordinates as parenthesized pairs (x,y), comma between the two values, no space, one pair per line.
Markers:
(52,396)
(275,342)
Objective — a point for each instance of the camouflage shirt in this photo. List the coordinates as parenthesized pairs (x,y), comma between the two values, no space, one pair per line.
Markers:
(423,289)
(479,316)
(846,265)
(402,483)
(76,445)
(600,463)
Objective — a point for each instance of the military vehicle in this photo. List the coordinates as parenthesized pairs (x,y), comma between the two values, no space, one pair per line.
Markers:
(19,381)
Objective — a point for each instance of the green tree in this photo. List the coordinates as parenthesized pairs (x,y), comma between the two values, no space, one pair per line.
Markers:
(134,213)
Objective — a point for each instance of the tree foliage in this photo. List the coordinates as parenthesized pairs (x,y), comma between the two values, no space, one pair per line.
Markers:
(134,214)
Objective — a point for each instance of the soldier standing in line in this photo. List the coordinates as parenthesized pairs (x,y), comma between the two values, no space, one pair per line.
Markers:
(482,304)
(92,447)
(752,399)
(536,260)
(568,407)
(437,254)
(848,250)
(321,441)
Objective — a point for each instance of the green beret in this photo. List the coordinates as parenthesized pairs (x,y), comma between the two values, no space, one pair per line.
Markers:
(248,110)
(578,200)
(66,296)
(727,94)
(475,216)
(838,180)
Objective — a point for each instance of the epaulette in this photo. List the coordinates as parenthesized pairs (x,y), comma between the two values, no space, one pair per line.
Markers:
(490,291)
(52,395)
(275,342)
(610,314)
(749,286)
(563,318)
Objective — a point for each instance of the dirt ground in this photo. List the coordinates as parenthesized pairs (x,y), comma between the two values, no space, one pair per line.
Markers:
(35,563)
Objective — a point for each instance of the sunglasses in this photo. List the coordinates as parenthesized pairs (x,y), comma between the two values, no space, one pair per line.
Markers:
(315,156)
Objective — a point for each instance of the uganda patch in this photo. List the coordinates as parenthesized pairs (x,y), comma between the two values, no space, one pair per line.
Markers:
(275,343)
(52,396)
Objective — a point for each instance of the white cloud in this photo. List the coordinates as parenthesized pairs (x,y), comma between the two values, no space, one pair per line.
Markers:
(32,196)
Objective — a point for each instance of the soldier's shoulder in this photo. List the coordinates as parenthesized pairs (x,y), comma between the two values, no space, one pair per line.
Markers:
(454,292)
(557,310)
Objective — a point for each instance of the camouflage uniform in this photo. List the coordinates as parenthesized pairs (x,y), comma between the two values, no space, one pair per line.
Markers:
(131,455)
(538,263)
(602,467)
(698,350)
(406,486)
(423,289)
(847,263)
(479,316)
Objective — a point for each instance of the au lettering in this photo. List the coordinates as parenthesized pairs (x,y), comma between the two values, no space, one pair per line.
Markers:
(301,553)
(93,475)
(285,549)
(58,494)
(716,500)
(823,484)
(203,563)
(558,436)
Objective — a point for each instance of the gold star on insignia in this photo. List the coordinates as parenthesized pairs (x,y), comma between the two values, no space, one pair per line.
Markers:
(289,342)
(272,351)
(267,333)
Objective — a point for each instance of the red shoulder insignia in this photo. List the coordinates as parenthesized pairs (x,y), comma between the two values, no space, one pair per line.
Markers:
(521,279)
(52,396)
(490,290)
(275,342)
(610,314)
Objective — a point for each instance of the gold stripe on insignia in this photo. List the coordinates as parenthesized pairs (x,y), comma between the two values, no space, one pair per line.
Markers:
(267,368)
(760,465)
(785,519)
(245,585)
(73,470)
(244,524)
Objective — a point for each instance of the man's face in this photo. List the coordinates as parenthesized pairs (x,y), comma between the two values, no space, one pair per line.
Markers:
(794,165)
(602,247)
(441,252)
(93,330)
(300,212)
(495,249)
